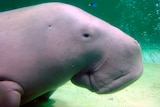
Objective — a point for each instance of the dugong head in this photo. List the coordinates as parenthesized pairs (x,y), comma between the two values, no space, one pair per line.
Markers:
(120,63)
(113,59)
(104,59)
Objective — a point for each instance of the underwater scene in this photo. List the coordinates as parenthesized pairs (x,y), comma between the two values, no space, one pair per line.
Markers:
(138,18)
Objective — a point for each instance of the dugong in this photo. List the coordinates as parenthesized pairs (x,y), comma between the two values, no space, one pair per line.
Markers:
(44,46)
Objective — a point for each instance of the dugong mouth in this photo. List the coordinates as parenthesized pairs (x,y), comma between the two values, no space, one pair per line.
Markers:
(101,83)
(88,78)
(85,80)
(100,87)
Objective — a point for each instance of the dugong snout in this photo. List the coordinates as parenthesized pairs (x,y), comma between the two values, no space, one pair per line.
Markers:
(120,66)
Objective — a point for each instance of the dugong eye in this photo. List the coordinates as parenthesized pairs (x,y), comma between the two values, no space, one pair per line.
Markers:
(86,35)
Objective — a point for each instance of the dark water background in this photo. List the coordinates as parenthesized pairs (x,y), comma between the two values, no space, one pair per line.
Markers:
(138,18)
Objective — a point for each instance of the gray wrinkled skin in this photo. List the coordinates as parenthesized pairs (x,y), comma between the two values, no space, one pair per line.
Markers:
(44,46)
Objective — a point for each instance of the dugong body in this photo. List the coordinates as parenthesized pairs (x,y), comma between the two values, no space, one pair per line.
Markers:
(44,46)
